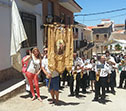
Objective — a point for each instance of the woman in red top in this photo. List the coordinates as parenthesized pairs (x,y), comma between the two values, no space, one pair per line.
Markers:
(24,68)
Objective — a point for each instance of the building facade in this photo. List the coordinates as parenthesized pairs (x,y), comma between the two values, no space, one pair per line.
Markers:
(60,12)
(101,34)
(118,27)
(80,41)
(88,35)
(83,40)
(31,14)
(34,13)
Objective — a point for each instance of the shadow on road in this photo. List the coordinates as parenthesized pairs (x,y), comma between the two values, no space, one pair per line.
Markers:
(60,103)
(30,95)
(104,101)
(80,96)
(101,101)
(26,96)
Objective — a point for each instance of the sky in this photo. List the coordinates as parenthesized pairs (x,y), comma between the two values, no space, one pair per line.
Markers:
(94,6)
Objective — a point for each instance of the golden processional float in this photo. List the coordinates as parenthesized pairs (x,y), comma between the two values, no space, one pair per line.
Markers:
(60,47)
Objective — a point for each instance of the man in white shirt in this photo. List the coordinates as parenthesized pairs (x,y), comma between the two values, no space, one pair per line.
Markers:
(123,72)
(78,64)
(52,80)
(102,71)
(112,77)
(85,77)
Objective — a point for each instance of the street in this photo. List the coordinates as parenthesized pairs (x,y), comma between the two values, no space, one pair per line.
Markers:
(52,37)
(22,102)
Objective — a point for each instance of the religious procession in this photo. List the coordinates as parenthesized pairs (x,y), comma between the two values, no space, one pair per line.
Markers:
(61,55)
(98,74)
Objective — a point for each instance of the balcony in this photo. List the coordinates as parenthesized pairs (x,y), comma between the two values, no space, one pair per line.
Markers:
(80,44)
(89,45)
(57,19)
(75,36)
(54,18)
(33,2)
(83,43)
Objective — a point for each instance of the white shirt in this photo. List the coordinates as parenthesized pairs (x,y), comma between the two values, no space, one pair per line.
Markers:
(45,65)
(92,66)
(105,70)
(79,63)
(34,66)
(86,65)
(112,60)
(123,66)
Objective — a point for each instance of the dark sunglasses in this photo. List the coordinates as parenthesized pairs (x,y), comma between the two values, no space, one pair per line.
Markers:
(45,51)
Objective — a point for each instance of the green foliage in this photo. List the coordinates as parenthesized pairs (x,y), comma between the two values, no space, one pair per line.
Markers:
(118,47)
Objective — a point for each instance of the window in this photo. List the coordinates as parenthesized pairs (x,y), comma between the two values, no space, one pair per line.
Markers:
(68,20)
(97,37)
(77,44)
(105,36)
(76,30)
(62,15)
(29,22)
(97,46)
(50,8)
(82,35)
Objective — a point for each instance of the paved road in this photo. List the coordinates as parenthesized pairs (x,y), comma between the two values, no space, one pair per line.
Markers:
(22,102)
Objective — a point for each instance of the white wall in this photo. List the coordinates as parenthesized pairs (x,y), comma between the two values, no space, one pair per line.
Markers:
(5,28)
(39,30)
(4,37)
(38,13)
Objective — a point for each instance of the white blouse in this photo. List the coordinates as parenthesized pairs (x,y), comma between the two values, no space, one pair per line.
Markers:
(34,66)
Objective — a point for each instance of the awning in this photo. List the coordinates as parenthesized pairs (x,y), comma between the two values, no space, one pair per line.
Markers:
(90,45)
(116,37)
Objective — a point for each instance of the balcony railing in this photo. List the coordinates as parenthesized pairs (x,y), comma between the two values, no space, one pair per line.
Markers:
(90,45)
(83,43)
(80,44)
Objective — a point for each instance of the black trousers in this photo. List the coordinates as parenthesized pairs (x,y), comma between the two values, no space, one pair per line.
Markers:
(78,82)
(71,83)
(112,82)
(64,77)
(42,77)
(113,79)
(122,78)
(84,82)
(97,89)
(101,84)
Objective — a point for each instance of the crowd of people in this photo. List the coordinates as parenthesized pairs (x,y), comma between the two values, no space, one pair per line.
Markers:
(97,73)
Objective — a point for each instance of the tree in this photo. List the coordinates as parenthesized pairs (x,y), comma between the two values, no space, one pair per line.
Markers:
(118,47)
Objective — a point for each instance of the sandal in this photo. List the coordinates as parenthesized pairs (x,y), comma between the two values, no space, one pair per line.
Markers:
(39,99)
(51,102)
(33,98)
